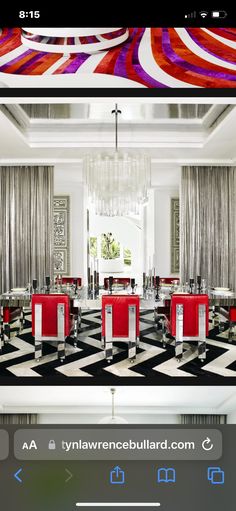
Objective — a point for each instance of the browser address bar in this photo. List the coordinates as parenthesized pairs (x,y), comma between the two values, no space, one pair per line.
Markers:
(118,444)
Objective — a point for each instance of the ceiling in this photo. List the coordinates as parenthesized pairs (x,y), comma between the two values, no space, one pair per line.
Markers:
(140,111)
(158,400)
(209,139)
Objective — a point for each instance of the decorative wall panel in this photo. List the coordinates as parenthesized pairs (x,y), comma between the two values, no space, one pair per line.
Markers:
(61,222)
(175,235)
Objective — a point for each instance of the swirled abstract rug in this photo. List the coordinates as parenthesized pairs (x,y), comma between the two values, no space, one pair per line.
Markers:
(150,57)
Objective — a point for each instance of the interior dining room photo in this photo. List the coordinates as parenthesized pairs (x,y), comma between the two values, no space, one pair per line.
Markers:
(118,240)
(121,405)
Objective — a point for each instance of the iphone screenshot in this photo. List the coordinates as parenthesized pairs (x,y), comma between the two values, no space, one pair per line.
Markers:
(118,258)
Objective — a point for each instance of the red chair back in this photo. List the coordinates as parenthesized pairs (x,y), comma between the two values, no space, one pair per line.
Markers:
(49,313)
(117,280)
(190,313)
(120,314)
(70,280)
(232,314)
(168,280)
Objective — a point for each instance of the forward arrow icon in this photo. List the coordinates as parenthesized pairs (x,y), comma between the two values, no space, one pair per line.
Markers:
(69,475)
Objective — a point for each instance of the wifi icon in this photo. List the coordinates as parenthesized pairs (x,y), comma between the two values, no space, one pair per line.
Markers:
(203,14)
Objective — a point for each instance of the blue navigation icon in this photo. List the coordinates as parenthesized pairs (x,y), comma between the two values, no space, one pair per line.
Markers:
(117,476)
(215,475)
(17,475)
(166,475)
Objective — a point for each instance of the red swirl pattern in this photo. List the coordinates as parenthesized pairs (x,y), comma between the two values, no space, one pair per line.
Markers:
(195,57)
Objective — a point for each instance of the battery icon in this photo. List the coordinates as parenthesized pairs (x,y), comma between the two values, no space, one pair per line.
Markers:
(218,14)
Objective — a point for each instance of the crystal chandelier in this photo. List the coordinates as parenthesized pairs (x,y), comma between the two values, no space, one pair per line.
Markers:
(118,183)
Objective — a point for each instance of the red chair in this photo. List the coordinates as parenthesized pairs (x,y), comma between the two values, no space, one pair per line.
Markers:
(232,321)
(117,280)
(51,321)
(120,322)
(10,314)
(168,280)
(70,280)
(189,322)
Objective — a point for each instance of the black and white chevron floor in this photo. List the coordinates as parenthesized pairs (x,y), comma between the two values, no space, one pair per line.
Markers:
(153,361)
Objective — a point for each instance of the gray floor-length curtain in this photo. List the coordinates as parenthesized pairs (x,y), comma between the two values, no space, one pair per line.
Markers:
(203,419)
(18,418)
(26,225)
(208,225)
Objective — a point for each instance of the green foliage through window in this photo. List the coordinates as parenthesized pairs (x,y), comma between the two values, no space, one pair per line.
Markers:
(127,256)
(110,248)
(93,247)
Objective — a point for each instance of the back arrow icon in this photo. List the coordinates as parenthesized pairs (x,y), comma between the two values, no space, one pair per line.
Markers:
(16,475)
(70,475)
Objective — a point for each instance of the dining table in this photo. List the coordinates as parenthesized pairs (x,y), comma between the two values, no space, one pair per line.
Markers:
(93,301)
(84,299)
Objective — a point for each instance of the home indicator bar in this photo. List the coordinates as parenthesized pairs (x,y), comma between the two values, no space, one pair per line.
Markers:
(118,504)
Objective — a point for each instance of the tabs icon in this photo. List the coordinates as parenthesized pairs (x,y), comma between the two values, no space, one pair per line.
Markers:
(215,475)
(166,475)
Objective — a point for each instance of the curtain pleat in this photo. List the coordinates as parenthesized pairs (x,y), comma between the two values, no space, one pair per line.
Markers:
(47,111)
(189,111)
(208,225)
(203,419)
(18,419)
(26,224)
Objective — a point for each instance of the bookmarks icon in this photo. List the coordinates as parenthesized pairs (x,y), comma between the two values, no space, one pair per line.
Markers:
(166,475)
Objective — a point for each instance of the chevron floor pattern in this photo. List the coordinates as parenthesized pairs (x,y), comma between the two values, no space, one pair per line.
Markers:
(87,360)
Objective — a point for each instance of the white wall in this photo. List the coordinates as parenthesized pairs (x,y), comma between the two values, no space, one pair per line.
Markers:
(149,233)
(162,218)
(155,230)
(231,418)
